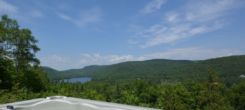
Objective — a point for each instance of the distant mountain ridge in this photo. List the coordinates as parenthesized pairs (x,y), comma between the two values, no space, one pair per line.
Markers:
(229,68)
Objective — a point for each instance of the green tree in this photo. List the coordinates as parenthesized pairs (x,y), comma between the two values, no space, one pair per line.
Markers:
(237,96)
(19,46)
(25,49)
(212,96)
(9,29)
(174,97)
(129,97)
(38,79)
(92,94)
(6,74)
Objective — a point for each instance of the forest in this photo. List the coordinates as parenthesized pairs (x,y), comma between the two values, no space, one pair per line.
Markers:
(159,70)
(22,78)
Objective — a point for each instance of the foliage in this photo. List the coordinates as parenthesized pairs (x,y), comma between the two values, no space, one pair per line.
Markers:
(237,96)
(178,96)
(7,74)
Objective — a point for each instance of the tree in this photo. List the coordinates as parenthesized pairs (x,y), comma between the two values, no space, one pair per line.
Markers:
(9,29)
(92,94)
(25,49)
(211,97)
(237,96)
(18,43)
(6,74)
(19,46)
(174,97)
(38,79)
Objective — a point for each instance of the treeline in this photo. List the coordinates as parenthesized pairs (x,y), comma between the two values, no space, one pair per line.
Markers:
(229,68)
(21,78)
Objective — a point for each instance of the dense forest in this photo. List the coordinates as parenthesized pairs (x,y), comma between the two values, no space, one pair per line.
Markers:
(22,78)
(159,70)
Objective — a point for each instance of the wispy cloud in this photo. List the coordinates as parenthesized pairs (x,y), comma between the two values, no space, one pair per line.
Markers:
(7,8)
(65,17)
(159,34)
(191,53)
(67,62)
(36,13)
(194,18)
(153,6)
(84,18)
(194,53)
(22,14)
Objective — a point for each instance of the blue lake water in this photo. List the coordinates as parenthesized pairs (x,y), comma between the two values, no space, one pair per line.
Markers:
(78,80)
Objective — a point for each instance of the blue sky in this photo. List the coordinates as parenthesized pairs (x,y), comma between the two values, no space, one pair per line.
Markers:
(74,34)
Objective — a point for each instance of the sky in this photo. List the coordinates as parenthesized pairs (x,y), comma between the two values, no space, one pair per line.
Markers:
(78,33)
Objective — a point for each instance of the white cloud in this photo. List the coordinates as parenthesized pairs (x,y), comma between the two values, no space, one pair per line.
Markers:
(7,8)
(153,6)
(22,14)
(65,62)
(194,18)
(192,53)
(85,18)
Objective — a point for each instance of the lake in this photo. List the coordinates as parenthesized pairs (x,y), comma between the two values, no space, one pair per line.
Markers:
(78,80)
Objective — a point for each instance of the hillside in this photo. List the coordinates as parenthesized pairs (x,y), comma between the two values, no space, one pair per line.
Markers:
(229,68)
(52,73)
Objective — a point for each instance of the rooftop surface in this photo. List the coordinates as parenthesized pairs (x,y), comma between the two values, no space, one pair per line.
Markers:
(67,103)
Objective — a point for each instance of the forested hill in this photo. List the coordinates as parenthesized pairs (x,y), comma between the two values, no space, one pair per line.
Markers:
(229,68)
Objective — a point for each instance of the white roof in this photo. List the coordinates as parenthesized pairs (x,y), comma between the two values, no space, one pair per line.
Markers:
(67,103)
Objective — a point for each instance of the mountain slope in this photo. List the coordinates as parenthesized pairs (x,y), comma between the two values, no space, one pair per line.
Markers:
(229,68)
(52,73)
